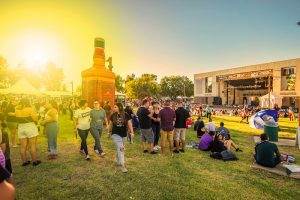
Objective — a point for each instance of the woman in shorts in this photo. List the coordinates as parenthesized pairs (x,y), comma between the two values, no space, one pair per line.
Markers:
(27,131)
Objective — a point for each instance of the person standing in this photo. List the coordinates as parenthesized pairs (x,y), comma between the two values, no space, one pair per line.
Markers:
(27,131)
(145,116)
(12,121)
(119,124)
(4,145)
(98,116)
(167,117)
(155,124)
(82,124)
(128,110)
(51,127)
(180,127)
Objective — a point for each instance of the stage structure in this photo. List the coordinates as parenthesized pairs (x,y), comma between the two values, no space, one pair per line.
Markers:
(245,85)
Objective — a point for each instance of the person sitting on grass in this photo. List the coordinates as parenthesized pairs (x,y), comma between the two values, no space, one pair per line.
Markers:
(218,144)
(206,140)
(210,125)
(227,138)
(266,153)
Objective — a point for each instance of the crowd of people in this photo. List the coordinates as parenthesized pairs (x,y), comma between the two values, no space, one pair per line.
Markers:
(162,125)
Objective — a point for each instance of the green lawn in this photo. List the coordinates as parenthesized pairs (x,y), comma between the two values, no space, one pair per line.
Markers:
(192,175)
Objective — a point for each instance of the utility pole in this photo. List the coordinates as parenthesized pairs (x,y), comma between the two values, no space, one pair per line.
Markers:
(72,85)
(298,131)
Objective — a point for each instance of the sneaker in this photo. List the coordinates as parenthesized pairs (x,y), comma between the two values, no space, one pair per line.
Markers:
(176,151)
(26,163)
(145,151)
(182,150)
(87,158)
(36,163)
(97,151)
(153,152)
(123,169)
(102,154)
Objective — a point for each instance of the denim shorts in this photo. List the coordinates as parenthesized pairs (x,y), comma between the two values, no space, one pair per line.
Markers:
(147,135)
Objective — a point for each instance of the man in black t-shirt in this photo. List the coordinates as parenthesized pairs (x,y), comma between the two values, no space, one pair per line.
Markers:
(180,127)
(147,136)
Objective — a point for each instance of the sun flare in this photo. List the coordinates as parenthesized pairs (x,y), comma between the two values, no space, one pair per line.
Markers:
(38,48)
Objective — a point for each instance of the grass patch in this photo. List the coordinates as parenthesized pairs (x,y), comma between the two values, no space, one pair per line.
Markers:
(192,175)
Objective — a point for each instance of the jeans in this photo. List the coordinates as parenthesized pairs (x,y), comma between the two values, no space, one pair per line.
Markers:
(83,135)
(156,132)
(119,143)
(96,133)
(51,130)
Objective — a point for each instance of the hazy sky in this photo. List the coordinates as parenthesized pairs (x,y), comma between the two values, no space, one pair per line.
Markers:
(156,36)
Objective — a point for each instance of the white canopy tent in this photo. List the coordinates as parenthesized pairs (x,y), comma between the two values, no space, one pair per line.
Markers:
(57,93)
(21,87)
(274,99)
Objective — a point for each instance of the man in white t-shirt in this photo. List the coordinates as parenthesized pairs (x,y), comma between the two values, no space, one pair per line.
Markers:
(82,124)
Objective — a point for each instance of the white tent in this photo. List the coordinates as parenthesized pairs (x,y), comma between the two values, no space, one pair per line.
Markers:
(274,99)
(57,93)
(22,86)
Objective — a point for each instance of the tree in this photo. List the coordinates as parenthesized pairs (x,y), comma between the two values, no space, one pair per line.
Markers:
(174,86)
(142,87)
(120,84)
(53,77)
(3,72)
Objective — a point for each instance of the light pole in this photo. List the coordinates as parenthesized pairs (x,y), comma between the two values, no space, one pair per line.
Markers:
(72,87)
(298,100)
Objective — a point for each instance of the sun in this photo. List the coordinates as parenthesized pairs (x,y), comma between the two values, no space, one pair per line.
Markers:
(38,48)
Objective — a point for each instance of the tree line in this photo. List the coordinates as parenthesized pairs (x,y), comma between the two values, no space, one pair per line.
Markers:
(50,78)
(148,85)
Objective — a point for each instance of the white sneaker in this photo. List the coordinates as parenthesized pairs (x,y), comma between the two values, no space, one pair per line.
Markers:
(87,158)
(123,169)
(97,151)
(102,154)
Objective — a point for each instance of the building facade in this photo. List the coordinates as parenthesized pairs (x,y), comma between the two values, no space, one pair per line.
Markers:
(244,85)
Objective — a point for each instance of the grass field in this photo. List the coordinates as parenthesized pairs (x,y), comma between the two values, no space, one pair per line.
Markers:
(192,175)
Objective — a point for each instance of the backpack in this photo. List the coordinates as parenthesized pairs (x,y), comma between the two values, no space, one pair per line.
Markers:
(226,155)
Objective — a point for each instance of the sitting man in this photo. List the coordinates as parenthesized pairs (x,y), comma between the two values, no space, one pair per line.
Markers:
(266,153)
(227,139)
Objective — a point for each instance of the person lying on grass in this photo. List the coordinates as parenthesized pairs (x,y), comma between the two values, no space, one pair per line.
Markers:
(227,138)
(266,153)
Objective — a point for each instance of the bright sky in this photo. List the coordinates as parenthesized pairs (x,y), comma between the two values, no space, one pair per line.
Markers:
(163,37)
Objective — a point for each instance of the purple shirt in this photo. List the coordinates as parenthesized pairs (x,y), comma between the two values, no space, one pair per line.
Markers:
(167,117)
(205,141)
